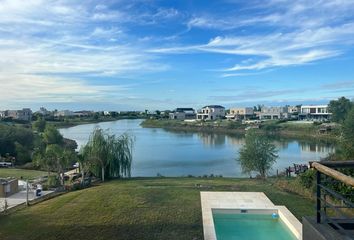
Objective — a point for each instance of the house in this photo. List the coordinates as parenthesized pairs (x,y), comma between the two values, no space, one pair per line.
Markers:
(43,111)
(2,114)
(24,115)
(182,114)
(211,112)
(294,111)
(240,113)
(8,186)
(64,113)
(274,113)
(315,112)
(83,113)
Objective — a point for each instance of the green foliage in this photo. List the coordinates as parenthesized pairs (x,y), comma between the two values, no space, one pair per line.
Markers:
(16,142)
(51,135)
(257,154)
(109,155)
(308,178)
(347,142)
(53,181)
(40,125)
(339,109)
(23,154)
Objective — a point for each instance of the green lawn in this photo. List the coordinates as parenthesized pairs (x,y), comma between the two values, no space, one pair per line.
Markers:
(25,174)
(150,208)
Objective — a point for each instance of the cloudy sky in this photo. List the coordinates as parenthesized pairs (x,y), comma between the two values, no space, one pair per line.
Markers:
(120,55)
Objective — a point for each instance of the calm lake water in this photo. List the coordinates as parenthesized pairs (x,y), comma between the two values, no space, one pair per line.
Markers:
(158,151)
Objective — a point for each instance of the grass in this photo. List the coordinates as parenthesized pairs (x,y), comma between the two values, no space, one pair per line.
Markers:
(18,173)
(147,208)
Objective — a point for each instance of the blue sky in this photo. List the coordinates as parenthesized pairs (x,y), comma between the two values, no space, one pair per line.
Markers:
(121,55)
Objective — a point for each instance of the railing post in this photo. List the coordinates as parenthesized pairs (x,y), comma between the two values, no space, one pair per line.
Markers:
(318,196)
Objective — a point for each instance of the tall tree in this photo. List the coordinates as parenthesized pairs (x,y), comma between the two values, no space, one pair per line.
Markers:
(347,141)
(51,135)
(111,156)
(40,124)
(257,154)
(339,109)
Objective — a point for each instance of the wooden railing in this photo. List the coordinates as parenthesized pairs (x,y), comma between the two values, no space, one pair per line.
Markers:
(333,207)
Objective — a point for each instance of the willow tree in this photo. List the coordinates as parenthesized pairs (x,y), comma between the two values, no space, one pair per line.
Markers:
(109,155)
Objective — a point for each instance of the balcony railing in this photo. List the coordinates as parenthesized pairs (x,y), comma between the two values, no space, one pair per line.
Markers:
(335,195)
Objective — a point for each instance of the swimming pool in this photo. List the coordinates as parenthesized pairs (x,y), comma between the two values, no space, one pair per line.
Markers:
(250,226)
(246,215)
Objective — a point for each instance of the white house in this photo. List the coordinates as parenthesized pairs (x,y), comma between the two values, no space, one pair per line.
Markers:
(273,113)
(182,114)
(315,112)
(240,113)
(64,113)
(211,112)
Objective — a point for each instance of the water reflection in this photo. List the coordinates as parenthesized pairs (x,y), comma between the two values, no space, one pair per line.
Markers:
(212,139)
(179,153)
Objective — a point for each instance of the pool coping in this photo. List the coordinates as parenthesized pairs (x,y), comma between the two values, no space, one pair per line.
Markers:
(242,200)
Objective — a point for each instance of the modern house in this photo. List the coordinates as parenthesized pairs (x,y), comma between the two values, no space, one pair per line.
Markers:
(240,113)
(274,113)
(315,112)
(182,114)
(24,115)
(43,111)
(211,112)
(8,187)
(64,113)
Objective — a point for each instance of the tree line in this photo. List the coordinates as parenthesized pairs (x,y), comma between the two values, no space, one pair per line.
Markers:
(104,156)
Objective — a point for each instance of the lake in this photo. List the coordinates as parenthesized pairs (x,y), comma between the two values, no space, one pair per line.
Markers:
(158,151)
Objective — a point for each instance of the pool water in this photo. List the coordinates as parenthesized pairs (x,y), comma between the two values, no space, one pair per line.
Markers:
(250,226)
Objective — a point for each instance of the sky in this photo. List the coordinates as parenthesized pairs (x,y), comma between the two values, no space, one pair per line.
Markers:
(137,55)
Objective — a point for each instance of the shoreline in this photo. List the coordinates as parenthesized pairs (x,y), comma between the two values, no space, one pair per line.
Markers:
(63,125)
(283,133)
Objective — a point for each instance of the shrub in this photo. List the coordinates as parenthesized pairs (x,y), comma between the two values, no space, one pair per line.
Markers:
(53,181)
(308,178)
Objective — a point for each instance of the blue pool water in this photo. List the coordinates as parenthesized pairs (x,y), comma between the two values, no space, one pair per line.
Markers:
(250,226)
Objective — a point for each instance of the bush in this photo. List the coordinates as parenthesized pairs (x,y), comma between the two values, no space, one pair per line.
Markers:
(53,181)
(308,178)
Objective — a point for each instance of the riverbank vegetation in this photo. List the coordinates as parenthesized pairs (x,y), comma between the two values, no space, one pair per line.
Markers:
(287,129)
(147,208)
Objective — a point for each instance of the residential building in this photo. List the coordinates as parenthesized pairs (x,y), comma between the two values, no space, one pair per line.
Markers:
(294,111)
(240,113)
(273,113)
(182,114)
(315,112)
(24,115)
(2,114)
(43,111)
(211,112)
(64,113)
(83,113)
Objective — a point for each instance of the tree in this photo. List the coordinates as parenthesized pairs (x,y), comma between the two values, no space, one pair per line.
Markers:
(257,154)
(51,135)
(40,125)
(109,155)
(339,109)
(347,141)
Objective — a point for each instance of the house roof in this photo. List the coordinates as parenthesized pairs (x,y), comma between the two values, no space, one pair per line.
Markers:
(213,106)
(184,109)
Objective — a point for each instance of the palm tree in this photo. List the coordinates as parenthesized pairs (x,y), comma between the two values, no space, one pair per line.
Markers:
(109,154)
